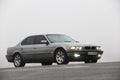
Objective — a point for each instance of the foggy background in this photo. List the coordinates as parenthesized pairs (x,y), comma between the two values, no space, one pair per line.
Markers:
(94,22)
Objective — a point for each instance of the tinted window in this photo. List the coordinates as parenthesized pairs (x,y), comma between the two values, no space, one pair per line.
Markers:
(39,38)
(28,41)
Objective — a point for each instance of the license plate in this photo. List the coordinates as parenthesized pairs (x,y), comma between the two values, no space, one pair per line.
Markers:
(92,53)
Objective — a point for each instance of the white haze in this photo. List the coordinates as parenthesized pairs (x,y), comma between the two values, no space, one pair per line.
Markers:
(94,22)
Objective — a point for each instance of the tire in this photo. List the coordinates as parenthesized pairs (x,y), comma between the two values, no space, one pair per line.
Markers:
(91,61)
(18,62)
(46,63)
(61,57)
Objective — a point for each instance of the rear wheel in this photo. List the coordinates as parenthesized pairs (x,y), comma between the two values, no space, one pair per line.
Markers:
(18,62)
(46,63)
(61,57)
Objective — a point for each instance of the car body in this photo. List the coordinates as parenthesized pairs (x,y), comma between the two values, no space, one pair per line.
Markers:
(49,48)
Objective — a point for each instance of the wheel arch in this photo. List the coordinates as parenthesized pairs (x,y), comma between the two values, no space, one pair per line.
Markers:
(15,53)
(58,49)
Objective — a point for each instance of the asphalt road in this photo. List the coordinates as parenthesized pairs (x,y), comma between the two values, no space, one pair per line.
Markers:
(96,71)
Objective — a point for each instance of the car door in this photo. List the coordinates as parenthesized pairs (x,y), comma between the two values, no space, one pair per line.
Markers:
(27,47)
(43,50)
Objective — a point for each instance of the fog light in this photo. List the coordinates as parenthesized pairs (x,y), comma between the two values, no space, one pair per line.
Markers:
(76,55)
(99,55)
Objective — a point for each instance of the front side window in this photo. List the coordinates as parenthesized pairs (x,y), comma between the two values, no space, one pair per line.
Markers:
(28,41)
(39,39)
(54,38)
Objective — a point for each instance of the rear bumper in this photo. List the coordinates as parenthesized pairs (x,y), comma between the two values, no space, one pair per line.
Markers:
(9,58)
(83,55)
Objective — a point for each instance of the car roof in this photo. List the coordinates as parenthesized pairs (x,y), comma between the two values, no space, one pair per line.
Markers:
(46,34)
(54,34)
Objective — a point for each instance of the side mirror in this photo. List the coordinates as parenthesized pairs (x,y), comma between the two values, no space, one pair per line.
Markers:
(44,42)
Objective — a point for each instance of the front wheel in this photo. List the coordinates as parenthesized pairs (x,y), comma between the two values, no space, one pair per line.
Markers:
(61,57)
(18,62)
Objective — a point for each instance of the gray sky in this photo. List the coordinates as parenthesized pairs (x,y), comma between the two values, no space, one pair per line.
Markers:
(94,22)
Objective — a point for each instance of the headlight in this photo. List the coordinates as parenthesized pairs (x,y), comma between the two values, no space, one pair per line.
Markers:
(99,48)
(75,48)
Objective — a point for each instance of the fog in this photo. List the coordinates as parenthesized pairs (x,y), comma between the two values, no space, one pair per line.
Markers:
(94,22)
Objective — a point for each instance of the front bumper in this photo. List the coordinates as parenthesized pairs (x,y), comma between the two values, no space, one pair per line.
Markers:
(9,58)
(83,55)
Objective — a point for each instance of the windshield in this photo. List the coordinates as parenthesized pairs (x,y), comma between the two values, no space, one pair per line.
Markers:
(54,38)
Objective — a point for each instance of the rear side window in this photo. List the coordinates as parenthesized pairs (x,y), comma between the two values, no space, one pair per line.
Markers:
(28,41)
(39,38)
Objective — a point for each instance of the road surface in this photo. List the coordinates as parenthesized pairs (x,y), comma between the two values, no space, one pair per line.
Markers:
(95,71)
